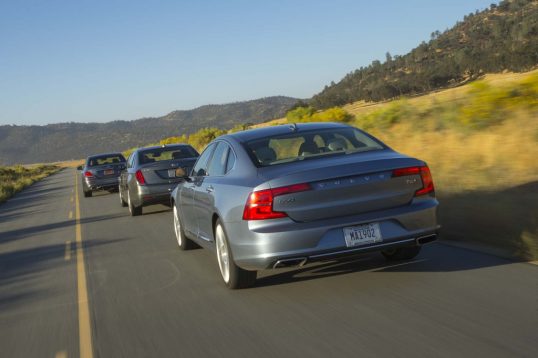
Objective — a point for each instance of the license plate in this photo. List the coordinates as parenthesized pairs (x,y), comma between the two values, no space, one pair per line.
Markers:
(109,171)
(362,234)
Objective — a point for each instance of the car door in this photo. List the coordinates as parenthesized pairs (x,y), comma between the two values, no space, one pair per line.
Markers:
(204,193)
(186,195)
(123,175)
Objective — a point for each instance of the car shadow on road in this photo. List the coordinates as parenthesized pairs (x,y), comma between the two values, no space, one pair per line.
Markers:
(99,193)
(29,275)
(158,211)
(17,234)
(436,257)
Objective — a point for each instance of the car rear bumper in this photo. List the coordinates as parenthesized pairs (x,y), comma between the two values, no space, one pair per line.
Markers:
(155,194)
(282,242)
(94,183)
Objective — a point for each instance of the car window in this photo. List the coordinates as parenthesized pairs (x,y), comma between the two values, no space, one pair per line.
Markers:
(105,159)
(200,168)
(310,144)
(166,153)
(218,160)
(231,160)
(130,161)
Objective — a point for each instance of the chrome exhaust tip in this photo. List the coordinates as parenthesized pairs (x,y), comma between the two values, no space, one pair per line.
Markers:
(299,261)
(426,239)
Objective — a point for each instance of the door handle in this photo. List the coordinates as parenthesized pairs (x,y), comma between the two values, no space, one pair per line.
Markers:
(210,189)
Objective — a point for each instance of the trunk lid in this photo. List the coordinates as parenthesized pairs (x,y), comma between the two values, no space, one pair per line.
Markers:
(107,170)
(343,185)
(164,171)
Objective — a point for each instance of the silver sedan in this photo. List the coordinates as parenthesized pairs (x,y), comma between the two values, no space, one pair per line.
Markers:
(152,173)
(101,172)
(286,195)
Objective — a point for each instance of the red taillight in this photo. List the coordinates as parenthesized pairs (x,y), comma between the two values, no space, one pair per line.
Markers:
(260,203)
(425,175)
(88,174)
(427,182)
(140,177)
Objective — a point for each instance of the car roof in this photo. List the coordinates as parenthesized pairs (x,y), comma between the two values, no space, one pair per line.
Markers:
(270,131)
(105,155)
(163,146)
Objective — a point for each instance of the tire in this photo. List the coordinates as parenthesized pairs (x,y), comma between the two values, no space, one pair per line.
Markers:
(402,253)
(133,210)
(122,201)
(87,194)
(183,242)
(234,277)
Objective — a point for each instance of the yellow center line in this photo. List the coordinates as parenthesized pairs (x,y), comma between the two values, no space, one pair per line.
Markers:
(71,196)
(84,327)
(70,214)
(67,255)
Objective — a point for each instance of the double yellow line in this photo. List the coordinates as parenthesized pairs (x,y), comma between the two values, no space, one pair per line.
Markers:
(84,325)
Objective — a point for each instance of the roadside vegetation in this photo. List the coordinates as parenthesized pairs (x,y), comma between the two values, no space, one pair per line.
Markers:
(15,178)
(480,141)
(502,37)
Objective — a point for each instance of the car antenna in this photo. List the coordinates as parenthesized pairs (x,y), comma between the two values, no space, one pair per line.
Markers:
(293,127)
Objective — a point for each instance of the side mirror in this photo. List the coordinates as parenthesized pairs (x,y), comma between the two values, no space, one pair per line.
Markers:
(79,167)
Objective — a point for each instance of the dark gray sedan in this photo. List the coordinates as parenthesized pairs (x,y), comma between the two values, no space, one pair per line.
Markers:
(287,195)
(101,172)
(152,173)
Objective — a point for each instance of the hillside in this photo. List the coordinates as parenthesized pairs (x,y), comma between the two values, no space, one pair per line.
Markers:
(503,37)
(480,141)
(65,141)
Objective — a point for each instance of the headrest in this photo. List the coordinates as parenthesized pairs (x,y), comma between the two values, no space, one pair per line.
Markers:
(337,144)
(265,155)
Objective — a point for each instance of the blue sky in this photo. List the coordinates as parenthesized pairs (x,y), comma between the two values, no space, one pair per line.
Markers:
(97,61)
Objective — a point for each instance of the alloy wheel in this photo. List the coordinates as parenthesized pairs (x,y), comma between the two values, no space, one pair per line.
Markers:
(222,254)
(129,202)
(177,227)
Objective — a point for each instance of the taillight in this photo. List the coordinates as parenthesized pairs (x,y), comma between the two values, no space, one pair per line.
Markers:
(427,182)
(88,174)
(259,204)
(425,175)
(140,177)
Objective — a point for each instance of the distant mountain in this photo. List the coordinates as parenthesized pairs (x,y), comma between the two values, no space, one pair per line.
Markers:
(65,141)
(503,37)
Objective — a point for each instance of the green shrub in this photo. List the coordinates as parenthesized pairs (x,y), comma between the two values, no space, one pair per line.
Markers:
(308,114)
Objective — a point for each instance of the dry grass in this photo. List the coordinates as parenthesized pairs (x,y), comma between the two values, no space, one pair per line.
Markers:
(481,143)
(70,164)
(500,157)
(16,178)
(441,96)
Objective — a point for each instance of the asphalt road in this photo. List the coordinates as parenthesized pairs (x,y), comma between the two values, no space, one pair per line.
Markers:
(148,299)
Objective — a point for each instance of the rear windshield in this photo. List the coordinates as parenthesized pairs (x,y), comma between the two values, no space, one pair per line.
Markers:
(312,144)
(166,153)
(105,159)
